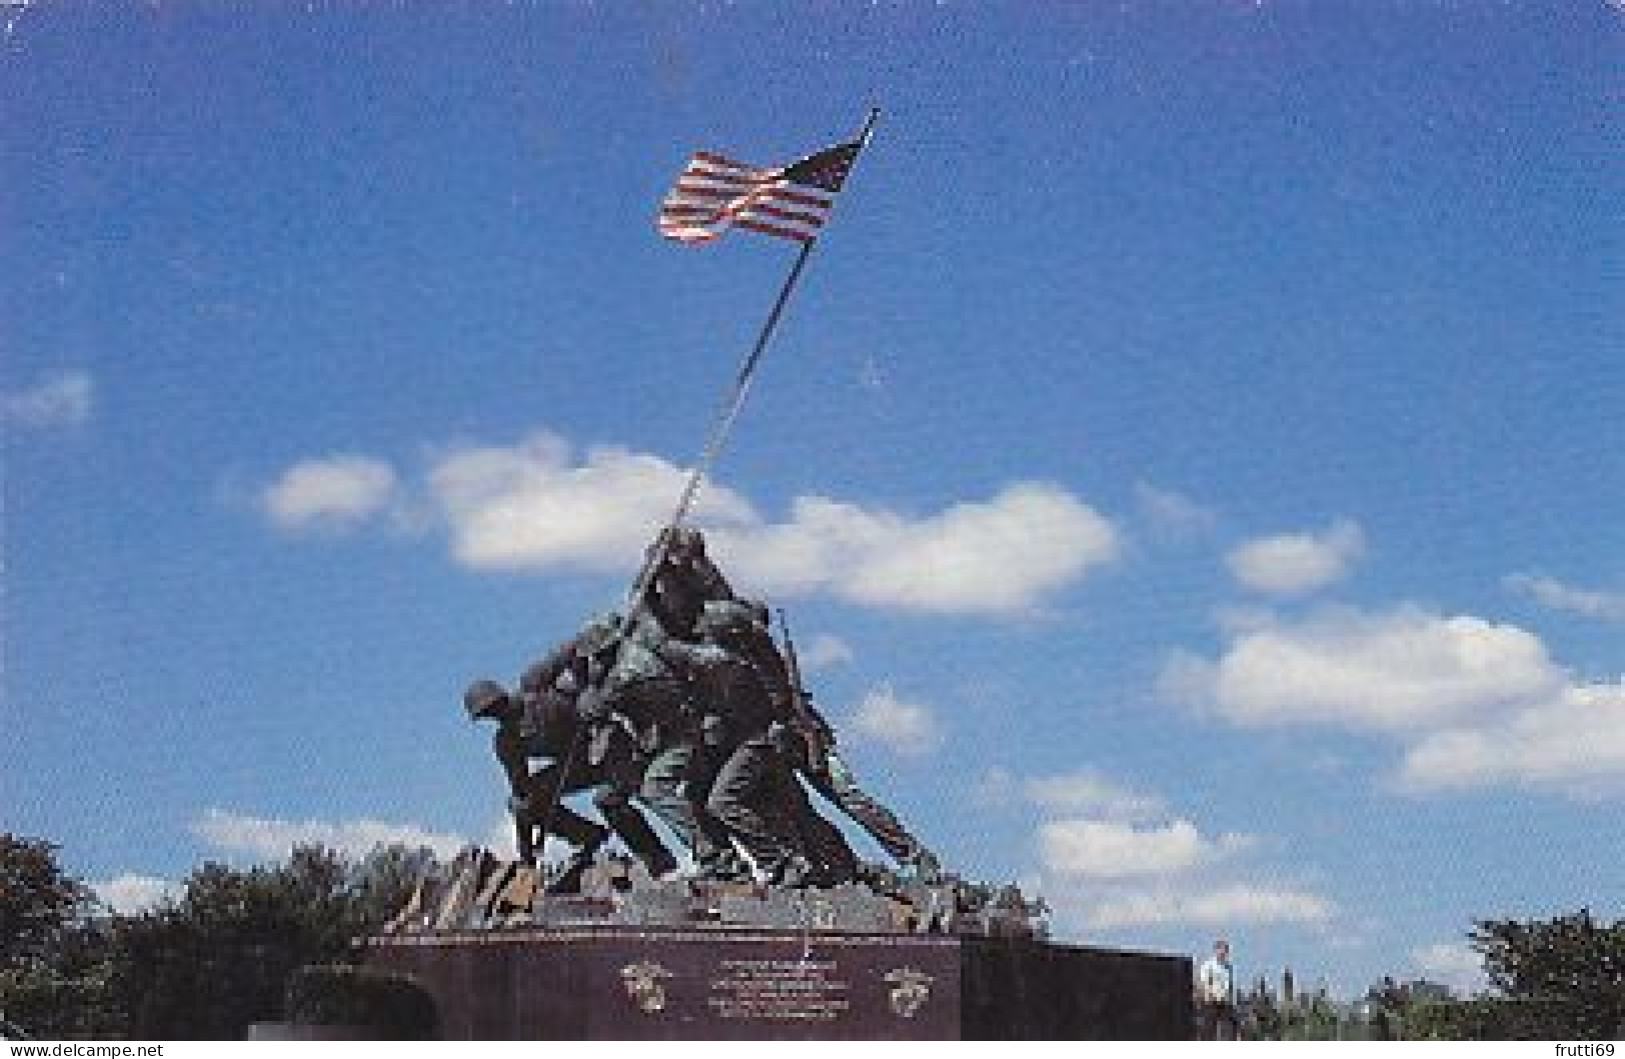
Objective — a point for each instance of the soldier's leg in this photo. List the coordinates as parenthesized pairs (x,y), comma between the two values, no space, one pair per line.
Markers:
(749,799)
(836,782)
(665,791)
(721,862)
(1208,1012)
(617,780)
(821,840)
(549,814)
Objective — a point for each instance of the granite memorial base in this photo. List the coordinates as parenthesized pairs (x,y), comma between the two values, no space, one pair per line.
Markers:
(646,983)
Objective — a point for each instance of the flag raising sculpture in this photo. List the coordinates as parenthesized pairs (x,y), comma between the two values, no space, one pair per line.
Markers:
(690,672)
(712,194)
(684,709)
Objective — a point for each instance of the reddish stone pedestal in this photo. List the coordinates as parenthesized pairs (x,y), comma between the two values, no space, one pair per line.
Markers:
(631,983)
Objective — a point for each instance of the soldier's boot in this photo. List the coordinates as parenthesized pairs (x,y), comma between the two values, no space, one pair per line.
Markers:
(660,864)
(569,881)
(825,847)
(795,872)
(724,864)
(633,829)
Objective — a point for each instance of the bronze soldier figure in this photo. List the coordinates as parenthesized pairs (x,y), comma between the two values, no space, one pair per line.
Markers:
(544,724)
(815,753)
(684,581)
(633,693)
(744,779)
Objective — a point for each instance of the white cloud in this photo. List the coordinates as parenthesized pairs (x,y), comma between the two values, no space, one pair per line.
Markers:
(532,506)
(1091,794)
(537,506)
(1122,860)
(63,401)
(1574,743)
(1555,595)
(1105,850)
(1294,563)
(906,727)
(996,556)
(995,787)
(334,492)
(824,652)
(1471,703)
(130,893)
(1221,908)
(1402,670)
(271,838)
(1453,965)
(1172,514)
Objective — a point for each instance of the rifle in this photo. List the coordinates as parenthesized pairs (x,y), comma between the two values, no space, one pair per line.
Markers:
(814,729)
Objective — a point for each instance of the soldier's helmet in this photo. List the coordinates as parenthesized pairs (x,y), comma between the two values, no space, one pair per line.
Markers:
(483,697)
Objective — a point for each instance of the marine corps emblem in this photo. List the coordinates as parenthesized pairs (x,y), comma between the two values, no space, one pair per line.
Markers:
(644,986)
(910,990)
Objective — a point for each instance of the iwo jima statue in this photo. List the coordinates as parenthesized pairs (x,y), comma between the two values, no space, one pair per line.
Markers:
(685,706)
(689,709)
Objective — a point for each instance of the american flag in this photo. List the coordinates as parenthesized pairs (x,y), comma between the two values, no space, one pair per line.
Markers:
(714,193)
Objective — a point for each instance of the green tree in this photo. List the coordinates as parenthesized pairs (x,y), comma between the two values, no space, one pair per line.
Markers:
(1562,977)
(37,899)
(216,961)
(1261,1017)
(220,958)
(202,966)
(385,879)
(53,950)
(1572,967)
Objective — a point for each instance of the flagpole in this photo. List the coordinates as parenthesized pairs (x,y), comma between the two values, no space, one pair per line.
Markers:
(734,403)
(734,400)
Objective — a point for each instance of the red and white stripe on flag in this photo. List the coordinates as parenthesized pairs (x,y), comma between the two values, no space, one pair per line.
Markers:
(714,193)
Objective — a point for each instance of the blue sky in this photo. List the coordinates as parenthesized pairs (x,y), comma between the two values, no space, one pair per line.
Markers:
(1190,466)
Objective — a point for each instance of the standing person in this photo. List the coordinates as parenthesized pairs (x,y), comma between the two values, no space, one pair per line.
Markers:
(1216,995)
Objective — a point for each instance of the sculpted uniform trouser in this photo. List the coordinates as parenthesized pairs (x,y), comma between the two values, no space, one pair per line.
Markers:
(751,797)
(821,840)
(658,708)
(836,782)
(665,790)
(607,780)
(723,862)
(562,820)
(757,797)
